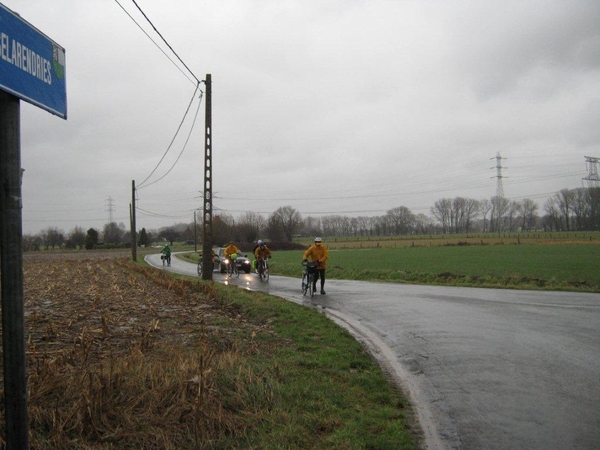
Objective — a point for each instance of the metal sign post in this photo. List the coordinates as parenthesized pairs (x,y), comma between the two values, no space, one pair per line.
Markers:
(13,315)
(32,68)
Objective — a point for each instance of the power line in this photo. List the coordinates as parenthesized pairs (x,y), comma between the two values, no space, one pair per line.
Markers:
(166,43)
(157,46)
(141,185)
(164,216)
(198,81)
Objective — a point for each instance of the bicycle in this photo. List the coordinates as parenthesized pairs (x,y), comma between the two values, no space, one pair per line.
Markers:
(263,269)
(200,258)
(232,268)
(166,259)
(308,278)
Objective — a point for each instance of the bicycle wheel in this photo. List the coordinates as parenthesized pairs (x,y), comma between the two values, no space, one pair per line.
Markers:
(260,269)
(266,273)
(200,268)
(304,283)
(236,271)
(311,290)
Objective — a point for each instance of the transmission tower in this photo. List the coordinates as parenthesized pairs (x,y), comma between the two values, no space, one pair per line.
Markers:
(498,167)
(591,164)
(110,205)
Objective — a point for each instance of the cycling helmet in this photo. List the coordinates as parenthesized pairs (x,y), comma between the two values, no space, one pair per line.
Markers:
(261,243)
(318,239)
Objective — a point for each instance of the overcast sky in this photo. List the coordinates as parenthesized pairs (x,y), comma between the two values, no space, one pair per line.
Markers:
(332,107)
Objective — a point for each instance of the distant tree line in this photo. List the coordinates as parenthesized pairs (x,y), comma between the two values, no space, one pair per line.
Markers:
(567,210)
(112,235)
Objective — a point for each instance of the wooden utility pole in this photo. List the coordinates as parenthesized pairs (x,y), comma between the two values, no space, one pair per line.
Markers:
(11,269)
(207,241)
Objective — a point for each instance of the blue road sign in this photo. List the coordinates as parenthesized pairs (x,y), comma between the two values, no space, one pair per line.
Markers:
(32,66)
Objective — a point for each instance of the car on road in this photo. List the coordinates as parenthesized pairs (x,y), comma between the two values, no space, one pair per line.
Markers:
(242,261)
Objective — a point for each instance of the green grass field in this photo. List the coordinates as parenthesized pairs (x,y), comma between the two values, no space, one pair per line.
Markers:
(572,267)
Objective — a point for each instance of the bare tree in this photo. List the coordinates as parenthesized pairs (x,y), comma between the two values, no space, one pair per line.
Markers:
(76,238)
(364,227)
(464,211)
(222,229)
(594,213)
(52,238)
(311,226)
(336,225)
(581,207)
(485,206)
(564,200)
(32,243)
(288,220)
(500,207)
(400,220)
(250,225)
(512,216)
(552,220)
(423,224)
(442,211)
(528,214)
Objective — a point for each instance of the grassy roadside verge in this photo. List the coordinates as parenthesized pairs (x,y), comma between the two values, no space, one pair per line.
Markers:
(124,356)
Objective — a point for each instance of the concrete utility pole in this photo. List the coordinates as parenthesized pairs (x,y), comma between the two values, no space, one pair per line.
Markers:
(132,214)
(207,241)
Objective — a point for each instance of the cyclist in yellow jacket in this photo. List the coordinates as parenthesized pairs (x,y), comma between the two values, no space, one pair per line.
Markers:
(262,252)
(231,249)
(319,254)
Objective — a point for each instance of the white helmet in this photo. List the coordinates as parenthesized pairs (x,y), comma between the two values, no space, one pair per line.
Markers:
(318,239)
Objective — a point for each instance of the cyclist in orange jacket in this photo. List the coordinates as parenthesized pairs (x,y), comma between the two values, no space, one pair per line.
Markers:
(262,252)
(231,249)
(319,254)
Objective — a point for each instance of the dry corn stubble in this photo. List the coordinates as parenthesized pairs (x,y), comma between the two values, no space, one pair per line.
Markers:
(124,356)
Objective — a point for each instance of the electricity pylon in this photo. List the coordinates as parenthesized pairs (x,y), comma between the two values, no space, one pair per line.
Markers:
(498,167)
(592,165)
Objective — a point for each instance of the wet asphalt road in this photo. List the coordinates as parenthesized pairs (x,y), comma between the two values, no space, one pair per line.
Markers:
(485,368)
